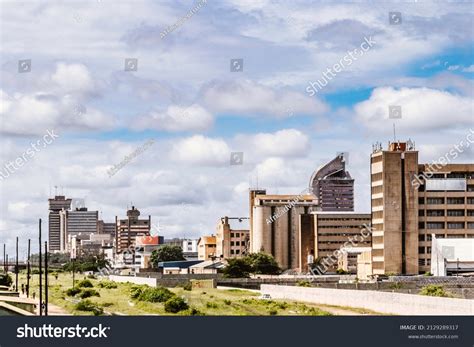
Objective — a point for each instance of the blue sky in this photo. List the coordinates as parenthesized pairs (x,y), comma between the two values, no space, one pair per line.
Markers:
(184,96)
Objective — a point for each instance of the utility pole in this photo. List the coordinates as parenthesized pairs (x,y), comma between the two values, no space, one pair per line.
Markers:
(40,273)
(46,277)
(4,258)
(16,266)
(28,271)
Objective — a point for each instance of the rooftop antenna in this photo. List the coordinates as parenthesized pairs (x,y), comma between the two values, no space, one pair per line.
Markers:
(394,134)
(55,190)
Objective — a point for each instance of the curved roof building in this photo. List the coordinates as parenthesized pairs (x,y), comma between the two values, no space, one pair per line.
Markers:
(333,186)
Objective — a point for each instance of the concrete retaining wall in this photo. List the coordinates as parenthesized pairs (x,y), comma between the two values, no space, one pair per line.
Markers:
(383,302)
(132,279)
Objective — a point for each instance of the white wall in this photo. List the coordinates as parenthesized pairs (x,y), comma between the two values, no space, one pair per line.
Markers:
(383,302)
(132,279)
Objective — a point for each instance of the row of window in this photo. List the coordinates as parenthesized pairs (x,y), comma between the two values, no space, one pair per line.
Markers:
(449,213)
(449,225)
(237,251)
(237,234)
(237,243)
(450,201)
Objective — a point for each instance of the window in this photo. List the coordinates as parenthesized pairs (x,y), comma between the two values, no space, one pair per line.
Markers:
(237,251)
(470,201)
(421,213)
(237,243)
(470,213)
(421,201)
(231,243)
(231,234)
(470,188)
(428,250)
(421,237)
(428,237)
(435,225)
(440,236)
(231,251)
(421,250)
(455,201)
(455,213)
(421,225)
(435,213)
(435,201)
(470,225)
(455,225)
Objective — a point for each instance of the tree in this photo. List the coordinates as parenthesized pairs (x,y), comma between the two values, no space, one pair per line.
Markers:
(237,268)
(166,253)
(263,263)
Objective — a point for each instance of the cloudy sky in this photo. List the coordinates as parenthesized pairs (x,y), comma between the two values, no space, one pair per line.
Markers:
(182,94)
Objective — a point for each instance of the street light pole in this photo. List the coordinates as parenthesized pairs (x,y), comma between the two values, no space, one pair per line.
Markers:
(28,271)
(40,273)
(46,277)
(16,266)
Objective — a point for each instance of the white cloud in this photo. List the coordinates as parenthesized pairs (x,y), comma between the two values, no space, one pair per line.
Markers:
(283,143)
(200,150)
(250,98)
(423,109)
(177,118)
(73,78)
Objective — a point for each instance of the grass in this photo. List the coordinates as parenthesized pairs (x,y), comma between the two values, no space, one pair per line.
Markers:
(212,302)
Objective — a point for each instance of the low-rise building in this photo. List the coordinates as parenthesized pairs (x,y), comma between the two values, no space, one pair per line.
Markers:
(207,247)
(144,247)
(232,237)
(451,256)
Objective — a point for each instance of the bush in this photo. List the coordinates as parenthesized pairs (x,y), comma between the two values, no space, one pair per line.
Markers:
(6,280)
(107,284)
(427,274)
(136,291)
(303,283)
(341,272)
(237,268)
(396,285)
(175,305)
(73,291)
(273,312)
(92,277)
(188,286)
(227,302)
(84,284)
(434,290)
(211,305)
(89,306)
(159,294)
(87,293)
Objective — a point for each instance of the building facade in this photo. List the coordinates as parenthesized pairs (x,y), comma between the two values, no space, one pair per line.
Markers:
(207,247)
(232,237)
(333,186)
(56,205)
(79,223)
(411,201)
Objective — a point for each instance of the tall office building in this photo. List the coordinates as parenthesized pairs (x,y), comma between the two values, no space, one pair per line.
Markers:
(333,186)
(412,201)
(57,204)
(129,229)
(394,205)
(79,223)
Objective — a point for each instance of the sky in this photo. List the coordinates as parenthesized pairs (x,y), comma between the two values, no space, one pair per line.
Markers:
(166,91)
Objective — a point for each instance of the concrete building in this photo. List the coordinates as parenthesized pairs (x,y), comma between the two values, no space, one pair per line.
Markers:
(107,228)
(57,204)
(323,236)
(275,221)
(348,258)
(451,256)
(410,201)
(127,230)
(144,246)
(232,237)
(79,223)
(333,186)
(190,249)
(207,247)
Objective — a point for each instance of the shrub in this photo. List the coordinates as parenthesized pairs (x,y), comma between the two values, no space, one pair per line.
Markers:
(107,284)
(211,305)
(136,291)
(91,276)
(396,285)
(434,290)
(303,283)
(427,274)
(227,302)
(89,306)
(159,294)
(84,284)
(175,305)
(73,291)
(272,312)
(87,293)
(341,272)
(6,280)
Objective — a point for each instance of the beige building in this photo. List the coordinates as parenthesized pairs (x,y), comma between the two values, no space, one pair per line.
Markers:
(410,202)
(207,247)
(232,237)
(324,236)
(275,223)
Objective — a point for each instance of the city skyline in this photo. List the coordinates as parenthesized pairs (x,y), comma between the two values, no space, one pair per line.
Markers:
(229,78)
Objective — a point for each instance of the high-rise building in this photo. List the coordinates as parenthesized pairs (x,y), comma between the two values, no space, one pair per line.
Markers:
(394,205)
(79,223)
(411,201)
(232,237)
(333,186)
(57,204)
(128,230)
